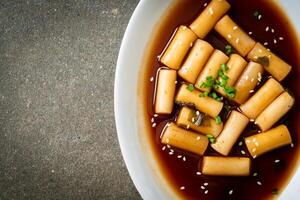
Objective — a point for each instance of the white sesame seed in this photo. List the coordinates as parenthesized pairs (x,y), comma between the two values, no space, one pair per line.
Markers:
(154,125)
(172,150)
(198,173)
(151,79)
(250,33)
(237,40)
(193,119)
(272,30)
(255,174)
(171,153)
(241,143)
(206,191)
(205,5)
(205,184)
(152,119)
(251,91)
(182,188)
(198,138)
(184,159)
(277,161)
(235,27)
(275,41)
(191,44)
(259,17)
(269,55)
(265,43)
(168,146)
(280,38)
(259,131)
(267,29)
(251,120)
(155,115)
(254,149)
(176,82)
(163,148)
(197,112)
(292,145)
(188,126)
(254,156)
(202,187)
(259,183)
(167,140)
(229,36)
(211,11)
(230,192)
(243,152)
(179,156)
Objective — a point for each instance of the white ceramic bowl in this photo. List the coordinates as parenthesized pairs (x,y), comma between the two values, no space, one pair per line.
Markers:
(139,159)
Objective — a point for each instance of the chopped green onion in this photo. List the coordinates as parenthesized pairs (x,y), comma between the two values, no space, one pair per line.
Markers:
(220,72)
(218,120)
(211,138)
(219,99)
(223,82)
(216,86)
(230,91)
(204,94)
(214,95)
(208,83)
(190,88)
(256,13)
(228,49)
(224,67)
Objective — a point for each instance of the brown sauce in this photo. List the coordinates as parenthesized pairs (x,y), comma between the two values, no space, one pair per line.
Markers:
(273,176)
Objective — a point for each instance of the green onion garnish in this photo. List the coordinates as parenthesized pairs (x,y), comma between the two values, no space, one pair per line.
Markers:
(218,120)
(208,83)
(228,49)
(204,94)
(211,138)
(190,88)
(256,13)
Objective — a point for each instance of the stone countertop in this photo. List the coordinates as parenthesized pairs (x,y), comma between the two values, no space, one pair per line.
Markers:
(57,133)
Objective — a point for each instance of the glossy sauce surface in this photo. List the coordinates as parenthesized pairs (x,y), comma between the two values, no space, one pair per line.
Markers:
(181,167)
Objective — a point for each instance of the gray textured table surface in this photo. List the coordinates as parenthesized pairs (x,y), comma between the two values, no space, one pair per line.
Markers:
(57,131)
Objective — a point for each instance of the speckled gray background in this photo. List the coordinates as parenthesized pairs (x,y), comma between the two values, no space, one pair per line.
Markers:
(57,133)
